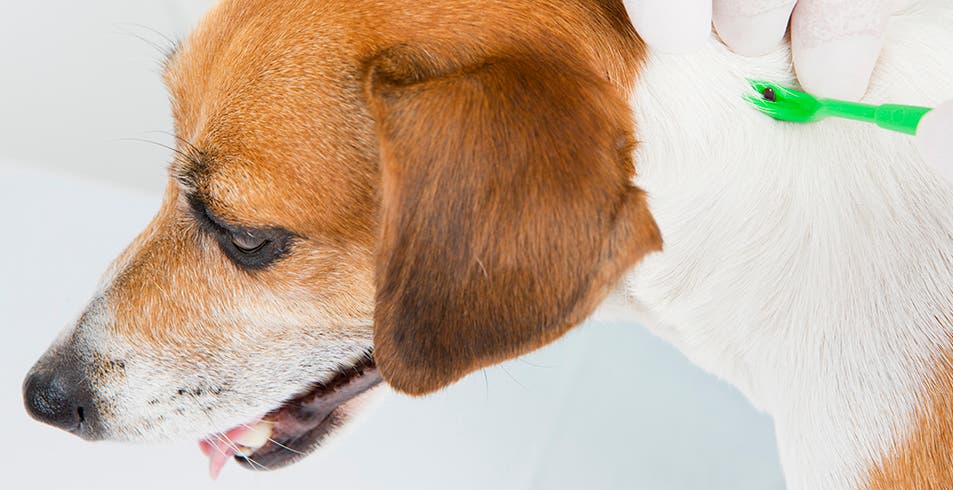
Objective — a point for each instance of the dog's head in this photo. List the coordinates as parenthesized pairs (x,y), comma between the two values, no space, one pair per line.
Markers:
(406,190)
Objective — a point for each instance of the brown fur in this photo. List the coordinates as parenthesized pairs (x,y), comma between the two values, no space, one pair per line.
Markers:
(476,154)
(456,172)
(508,212)
(923,460)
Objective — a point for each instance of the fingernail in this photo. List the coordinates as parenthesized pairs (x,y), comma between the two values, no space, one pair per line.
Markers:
(839,68)
(752,35)
(674,26)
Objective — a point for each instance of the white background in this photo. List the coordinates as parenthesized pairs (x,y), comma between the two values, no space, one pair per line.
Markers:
(608,407)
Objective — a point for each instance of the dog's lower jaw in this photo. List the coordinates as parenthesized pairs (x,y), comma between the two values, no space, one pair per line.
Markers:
(809,266)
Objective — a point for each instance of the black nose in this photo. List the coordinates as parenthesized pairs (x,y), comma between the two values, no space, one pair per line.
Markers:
(58,397)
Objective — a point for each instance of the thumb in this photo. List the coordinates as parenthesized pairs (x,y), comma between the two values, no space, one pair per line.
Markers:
(672,26)
(752,27)
(836,45)
(935,139)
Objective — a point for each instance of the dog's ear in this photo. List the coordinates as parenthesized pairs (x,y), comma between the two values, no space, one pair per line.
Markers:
(508,211)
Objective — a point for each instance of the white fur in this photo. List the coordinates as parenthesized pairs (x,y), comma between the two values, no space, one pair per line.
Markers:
(803,263)
(165,392)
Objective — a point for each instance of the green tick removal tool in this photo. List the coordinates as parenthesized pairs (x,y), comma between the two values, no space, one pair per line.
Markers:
(791,105)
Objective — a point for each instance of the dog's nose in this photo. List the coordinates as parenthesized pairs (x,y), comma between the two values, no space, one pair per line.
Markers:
(58,397)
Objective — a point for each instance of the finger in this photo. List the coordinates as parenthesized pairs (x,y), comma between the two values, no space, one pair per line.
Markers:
(752,27)
(935,141)
(895,6)
(836,45)
(672,26)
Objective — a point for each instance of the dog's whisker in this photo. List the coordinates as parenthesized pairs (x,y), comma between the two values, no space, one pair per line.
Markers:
(159,287)
(219,449)
(231,444)
(486,384)
(295,451)
(167,39)
(524,361)
(216,447)
(177,151)
(182,140)
(513,377)
(148,41)
(165,50)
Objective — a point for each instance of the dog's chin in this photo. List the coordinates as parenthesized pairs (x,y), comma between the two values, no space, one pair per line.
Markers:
(296,428)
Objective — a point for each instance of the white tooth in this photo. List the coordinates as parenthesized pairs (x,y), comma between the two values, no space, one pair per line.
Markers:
(256,437)
(244,451)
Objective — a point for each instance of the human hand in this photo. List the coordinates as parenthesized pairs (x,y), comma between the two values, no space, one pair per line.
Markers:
(835,43)
(935,139)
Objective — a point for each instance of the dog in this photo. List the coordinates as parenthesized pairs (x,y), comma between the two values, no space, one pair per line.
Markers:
(368,191)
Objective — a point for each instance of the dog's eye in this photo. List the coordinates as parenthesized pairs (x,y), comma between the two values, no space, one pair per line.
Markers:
(250,248)
(248,243)
(254,248)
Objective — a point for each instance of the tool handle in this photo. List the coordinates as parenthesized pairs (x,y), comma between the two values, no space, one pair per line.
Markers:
(849,110)
(900,118)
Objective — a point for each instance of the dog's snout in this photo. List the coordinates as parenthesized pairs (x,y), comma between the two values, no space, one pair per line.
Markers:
(58,397)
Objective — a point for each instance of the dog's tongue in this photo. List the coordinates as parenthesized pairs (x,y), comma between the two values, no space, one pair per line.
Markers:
(219,448)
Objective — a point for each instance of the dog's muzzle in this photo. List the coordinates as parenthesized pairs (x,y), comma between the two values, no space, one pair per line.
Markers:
(55,392)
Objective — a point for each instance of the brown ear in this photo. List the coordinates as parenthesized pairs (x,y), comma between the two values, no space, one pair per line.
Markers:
(508,210)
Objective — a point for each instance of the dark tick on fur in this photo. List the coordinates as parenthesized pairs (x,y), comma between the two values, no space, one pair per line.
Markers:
(769,95)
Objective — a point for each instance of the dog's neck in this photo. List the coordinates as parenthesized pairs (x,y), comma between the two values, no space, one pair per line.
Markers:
(810,266)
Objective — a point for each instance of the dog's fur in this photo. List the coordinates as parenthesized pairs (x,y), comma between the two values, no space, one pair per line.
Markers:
(461,175)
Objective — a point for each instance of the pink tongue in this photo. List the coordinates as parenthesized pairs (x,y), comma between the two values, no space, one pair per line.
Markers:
(220,447)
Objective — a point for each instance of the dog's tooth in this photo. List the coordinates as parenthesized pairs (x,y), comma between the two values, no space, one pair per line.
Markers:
(244,451)
(256,437)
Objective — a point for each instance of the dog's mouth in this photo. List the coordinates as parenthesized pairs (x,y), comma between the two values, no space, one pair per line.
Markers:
(298,427)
